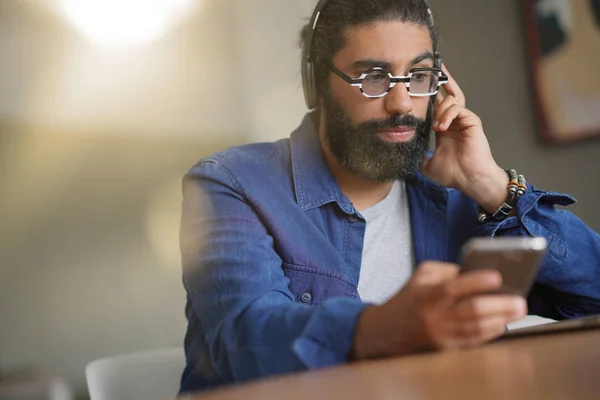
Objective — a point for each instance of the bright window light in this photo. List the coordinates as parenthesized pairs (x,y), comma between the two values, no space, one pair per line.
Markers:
(124,22)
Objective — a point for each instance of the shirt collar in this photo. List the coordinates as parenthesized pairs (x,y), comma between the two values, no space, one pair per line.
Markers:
(313,181)
(436,192)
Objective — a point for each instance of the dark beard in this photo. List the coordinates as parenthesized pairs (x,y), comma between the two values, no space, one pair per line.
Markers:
(363,153)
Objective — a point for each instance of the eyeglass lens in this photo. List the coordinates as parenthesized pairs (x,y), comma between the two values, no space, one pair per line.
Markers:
(377,82)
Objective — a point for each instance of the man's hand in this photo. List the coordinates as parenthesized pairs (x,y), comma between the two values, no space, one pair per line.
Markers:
(438,309)
(463,159)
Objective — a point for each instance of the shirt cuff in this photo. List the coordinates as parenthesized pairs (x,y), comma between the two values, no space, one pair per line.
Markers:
(329,335)
(528,202)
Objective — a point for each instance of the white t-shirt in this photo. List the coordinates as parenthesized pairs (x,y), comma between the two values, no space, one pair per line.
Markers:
(387,258)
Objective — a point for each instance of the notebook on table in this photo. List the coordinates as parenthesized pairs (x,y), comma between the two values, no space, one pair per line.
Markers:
(576,324)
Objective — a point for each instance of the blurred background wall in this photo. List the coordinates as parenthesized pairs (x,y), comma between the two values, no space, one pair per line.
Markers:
(94,141)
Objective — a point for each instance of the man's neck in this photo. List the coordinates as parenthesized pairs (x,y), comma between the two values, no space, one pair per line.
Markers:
(363,193)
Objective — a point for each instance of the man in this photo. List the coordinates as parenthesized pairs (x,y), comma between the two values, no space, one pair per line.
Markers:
(338,244)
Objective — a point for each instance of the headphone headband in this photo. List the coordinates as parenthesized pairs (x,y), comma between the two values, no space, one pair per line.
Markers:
(308,73)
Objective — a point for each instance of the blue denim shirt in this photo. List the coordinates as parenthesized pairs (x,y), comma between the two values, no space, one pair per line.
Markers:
(272,250)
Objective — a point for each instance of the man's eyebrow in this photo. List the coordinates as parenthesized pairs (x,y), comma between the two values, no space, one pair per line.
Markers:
(426,55)
(368,63)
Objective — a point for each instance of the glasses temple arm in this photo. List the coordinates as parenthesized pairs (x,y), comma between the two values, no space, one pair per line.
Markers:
(344,76)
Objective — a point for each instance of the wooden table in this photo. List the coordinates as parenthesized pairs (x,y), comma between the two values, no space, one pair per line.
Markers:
(558,366)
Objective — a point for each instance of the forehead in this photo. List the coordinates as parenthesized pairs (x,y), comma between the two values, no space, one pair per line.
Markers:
(397,43)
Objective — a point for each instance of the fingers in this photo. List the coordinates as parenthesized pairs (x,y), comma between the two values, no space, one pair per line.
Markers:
(509,308)
(481,331)
(443,107)
(480,319)
(472,283)
(451,115)
(443,103)
(446,117)
(483,318)
(472,333)
(453,310)
(453,89)
(434,273)
(452,105)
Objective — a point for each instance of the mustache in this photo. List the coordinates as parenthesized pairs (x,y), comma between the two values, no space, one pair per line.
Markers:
(397,121)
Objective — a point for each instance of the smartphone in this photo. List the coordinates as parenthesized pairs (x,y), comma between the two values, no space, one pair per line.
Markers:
(518,260)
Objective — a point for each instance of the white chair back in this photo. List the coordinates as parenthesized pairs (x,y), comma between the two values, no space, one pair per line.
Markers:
(150,375)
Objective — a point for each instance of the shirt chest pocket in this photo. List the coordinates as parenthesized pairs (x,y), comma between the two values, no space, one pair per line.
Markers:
(312,286)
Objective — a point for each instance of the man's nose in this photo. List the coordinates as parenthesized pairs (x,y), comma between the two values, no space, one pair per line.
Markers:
(398,101)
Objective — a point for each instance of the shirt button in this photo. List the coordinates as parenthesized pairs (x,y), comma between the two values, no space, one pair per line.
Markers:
(306,297)
(353,219)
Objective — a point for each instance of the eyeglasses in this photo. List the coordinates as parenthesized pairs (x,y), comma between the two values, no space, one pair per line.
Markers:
(377,82)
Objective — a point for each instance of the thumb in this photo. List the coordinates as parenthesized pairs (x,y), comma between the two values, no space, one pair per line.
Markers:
(436,272)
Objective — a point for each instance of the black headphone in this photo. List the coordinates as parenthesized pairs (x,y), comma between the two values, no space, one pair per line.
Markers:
(308,71)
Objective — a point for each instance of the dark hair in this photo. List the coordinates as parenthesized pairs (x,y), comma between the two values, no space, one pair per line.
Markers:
(338,15)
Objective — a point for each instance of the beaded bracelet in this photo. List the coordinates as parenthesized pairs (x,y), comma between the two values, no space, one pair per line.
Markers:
(516,188)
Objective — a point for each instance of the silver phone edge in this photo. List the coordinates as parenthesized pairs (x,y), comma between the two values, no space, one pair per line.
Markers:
(538,244)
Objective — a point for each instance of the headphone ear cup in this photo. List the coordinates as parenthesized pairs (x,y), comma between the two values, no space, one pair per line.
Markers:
(308,81)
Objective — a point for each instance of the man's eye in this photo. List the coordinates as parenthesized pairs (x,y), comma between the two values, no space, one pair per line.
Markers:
(419,76)
(374,78)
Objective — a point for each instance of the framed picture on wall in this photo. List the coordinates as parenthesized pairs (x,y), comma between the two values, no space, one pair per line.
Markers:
(563,38)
